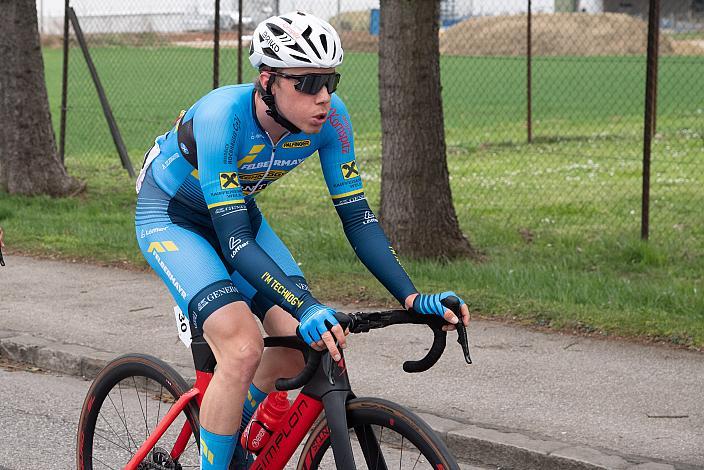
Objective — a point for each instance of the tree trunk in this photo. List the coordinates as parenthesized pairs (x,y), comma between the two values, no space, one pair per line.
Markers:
(416,203)
(28,160)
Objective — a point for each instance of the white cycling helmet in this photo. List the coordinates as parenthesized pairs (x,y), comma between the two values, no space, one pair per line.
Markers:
(295,39)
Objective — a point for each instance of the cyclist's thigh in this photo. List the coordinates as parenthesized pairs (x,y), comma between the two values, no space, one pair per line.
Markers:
(184,259)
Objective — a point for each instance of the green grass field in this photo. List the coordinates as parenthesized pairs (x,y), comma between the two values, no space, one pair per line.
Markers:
(559,219)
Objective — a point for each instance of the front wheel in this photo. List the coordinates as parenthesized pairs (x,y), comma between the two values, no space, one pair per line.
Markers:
(125,403)
(384,435)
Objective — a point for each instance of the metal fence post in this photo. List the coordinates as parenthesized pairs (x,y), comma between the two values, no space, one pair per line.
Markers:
(239,41)
(651,89)
(64,87)
(112,124)
(529,73)
(216,46)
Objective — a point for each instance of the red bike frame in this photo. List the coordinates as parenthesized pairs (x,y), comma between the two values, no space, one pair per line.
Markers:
(274,456)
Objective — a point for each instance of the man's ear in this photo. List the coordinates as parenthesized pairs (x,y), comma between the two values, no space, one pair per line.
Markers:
(264,78)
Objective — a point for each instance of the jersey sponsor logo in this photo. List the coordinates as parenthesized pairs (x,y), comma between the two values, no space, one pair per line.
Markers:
(228,180)
(251,155)
(169,274)
(279,288)
(284,163)
(369,218)
(150,231)
(272,175)
(216,294)
(231,147)
(236,245)
(349,200)
(168,162)
(161,247)
(349,169)
(184,149)
(250,188)
(229,209)
(342,128)
(296,144)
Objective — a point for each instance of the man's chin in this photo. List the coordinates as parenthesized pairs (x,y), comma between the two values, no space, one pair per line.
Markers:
(311,129)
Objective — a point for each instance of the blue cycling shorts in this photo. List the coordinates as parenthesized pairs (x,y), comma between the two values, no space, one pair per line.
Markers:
(181,246)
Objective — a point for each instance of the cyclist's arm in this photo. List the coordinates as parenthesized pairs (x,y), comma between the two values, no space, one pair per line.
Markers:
(216,130)
(361,227)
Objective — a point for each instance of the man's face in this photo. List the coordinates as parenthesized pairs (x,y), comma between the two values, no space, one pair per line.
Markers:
(307,112)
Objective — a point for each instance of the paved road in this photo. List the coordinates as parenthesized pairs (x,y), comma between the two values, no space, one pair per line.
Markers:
(608,396)
(39,418)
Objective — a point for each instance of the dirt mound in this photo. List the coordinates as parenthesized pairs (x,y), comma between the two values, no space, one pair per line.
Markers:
(359,41)
(561,34)
(693,47)
(351,21)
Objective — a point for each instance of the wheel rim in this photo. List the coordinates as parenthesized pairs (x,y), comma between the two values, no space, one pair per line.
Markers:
(397,452)
(128,414)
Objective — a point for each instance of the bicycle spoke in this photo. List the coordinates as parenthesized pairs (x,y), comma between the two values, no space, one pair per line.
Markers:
(103,463)
(146,426)
(158,411)
(122,418)
(417,460)
(146,408)
(122,401)
(401,459)
(129,451)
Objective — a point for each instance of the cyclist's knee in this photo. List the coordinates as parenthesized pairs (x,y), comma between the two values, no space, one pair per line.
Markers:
(235,339)
(240,360)
(279,322)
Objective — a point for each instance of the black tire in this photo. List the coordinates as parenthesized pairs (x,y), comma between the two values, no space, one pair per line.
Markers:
(149,380)
(408,432)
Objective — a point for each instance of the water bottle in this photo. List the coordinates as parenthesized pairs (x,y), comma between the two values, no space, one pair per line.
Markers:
(265,421)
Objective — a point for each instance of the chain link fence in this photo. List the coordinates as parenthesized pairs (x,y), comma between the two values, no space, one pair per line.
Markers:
(543,112)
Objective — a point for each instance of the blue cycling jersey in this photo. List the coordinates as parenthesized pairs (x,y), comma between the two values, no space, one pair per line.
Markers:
(217,157)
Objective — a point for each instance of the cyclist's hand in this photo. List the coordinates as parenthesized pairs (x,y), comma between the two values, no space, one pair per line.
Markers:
(2,244)
(430,305)
(317,323)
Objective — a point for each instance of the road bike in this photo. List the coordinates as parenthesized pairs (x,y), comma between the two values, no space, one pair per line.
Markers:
(125,422)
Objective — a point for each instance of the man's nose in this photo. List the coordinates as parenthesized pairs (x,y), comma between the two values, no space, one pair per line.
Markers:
(323,96)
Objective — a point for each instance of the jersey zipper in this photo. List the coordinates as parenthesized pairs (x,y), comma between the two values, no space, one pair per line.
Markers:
(271,160)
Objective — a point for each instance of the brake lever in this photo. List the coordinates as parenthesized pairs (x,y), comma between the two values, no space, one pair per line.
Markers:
(453,303)
(462,339)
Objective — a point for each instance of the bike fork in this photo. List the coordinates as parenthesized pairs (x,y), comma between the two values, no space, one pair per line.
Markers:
(335,411)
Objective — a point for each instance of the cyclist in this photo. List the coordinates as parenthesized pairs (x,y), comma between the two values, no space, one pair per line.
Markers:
(199,227)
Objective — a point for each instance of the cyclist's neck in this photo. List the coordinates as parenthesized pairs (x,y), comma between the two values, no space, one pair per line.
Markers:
(275,130)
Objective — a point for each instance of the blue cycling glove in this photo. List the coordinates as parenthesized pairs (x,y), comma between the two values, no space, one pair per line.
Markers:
(430,304)
(316,320)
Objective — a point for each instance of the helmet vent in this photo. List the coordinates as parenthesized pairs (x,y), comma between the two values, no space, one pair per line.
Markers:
(269,53)
(324,41)
(275,29)
(301,58)
(306,36)
(296,48)
(287,20)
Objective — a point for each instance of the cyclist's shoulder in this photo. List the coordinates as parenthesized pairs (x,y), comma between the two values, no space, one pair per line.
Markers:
(338,105)
(224,103)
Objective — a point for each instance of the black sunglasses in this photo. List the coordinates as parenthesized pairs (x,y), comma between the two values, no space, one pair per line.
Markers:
(312,83)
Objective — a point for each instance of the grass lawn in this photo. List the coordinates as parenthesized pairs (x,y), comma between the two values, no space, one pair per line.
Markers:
(558,219)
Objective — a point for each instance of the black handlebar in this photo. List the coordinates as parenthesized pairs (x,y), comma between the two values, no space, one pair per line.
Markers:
(363,322)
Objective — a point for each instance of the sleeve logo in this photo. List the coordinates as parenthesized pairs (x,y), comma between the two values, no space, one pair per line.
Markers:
(349,170)
(228,180)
